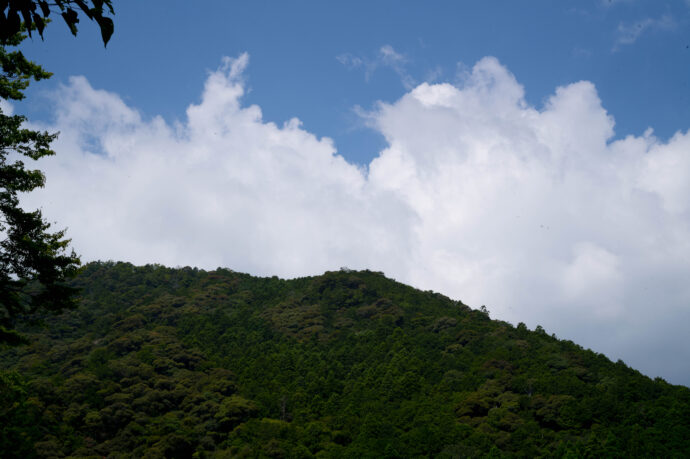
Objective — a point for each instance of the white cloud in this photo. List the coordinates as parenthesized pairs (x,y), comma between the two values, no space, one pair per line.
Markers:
(222,189)
(390,56)
(594,278)
(627,34)
(6,107)
(536,213)
(666,174)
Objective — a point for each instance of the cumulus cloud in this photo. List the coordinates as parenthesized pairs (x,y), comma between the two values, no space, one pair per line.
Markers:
(535,212)
(222,189)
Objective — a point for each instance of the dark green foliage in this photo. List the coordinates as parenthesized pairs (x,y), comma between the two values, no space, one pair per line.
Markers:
(160,362)
(19,15)
(34,263)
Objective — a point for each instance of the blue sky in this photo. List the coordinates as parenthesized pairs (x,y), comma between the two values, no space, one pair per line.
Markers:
(635,52)
(533,157)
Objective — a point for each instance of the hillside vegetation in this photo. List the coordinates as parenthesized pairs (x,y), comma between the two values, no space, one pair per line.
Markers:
(160,362)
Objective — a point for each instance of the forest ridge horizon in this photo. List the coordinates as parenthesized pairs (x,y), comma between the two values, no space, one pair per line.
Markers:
(176,362)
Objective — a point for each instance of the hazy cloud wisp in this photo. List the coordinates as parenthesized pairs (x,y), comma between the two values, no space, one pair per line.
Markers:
(387,56)
(627,34)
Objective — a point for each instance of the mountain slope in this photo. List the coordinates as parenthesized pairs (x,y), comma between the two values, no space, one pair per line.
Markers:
(161,362)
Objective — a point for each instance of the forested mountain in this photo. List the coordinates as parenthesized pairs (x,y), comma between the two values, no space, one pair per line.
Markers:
(160,362)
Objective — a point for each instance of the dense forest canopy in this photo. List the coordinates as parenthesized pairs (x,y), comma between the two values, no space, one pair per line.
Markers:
(160,362)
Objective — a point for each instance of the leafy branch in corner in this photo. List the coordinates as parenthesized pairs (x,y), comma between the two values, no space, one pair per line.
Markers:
(34,15)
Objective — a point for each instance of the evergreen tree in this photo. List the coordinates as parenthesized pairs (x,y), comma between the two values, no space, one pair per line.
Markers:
(35,263)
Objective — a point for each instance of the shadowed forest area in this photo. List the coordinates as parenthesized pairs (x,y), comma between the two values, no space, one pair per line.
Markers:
(160,362)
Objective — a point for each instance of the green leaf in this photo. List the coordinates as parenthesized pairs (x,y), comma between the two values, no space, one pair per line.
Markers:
(71,18)
(44,8)
(26,9)
(40,24)
(13,21)
(84,7)
(107,28)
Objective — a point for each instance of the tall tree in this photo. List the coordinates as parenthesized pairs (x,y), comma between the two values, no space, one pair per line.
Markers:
(35,263)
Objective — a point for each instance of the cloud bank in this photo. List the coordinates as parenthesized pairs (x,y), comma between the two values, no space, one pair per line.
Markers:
(535,212)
